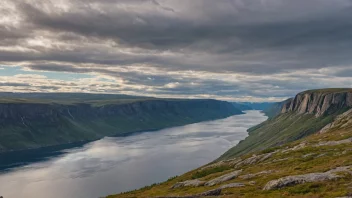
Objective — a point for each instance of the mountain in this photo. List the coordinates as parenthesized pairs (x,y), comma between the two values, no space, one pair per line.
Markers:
(304,151)
(300,116)
(257,105)
(252,105)
(32,121)
(275,108)
(241,106)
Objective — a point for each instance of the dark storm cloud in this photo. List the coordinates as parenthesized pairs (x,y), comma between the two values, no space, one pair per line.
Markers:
(310,41)
(256,39)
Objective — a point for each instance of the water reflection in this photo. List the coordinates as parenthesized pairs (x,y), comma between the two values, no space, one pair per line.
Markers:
(116,164)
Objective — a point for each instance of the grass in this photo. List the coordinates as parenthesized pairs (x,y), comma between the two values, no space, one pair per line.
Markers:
(203,173)
(296,164)
(274,132)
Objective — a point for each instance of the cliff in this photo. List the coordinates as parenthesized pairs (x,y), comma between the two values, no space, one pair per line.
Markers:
(30,124)
(305,114)
(319,102)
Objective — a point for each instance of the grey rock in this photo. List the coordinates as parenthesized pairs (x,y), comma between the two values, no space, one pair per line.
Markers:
(193,183)
(318,102)
(254,159)
(215,192)
(282,159)
(308,155)
(250,176)
(300,179)
(232,185)
(223,178)
(334,143)
(252,183)
(295,148)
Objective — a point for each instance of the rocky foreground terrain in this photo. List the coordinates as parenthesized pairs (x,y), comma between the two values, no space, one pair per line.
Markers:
(310,155)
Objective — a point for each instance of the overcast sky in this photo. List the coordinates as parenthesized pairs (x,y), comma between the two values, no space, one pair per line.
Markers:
(240,50)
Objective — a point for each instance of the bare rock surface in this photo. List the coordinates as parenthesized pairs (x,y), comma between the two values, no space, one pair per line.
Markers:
(254,159)
(193,183)
(214,192)
(318,102)
(311,177)
(340,122)
(232,185)
(295,148)
(252,175)
(333,143)
(223,178)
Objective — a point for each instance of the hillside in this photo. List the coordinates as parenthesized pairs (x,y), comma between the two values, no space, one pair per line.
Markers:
(303,115)
(305,151)
(29,122)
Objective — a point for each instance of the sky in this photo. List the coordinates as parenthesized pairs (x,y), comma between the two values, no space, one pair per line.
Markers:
(236,50)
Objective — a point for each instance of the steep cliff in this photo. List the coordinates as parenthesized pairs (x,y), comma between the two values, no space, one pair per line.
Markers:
(319,102)
(28,124)
(307,113)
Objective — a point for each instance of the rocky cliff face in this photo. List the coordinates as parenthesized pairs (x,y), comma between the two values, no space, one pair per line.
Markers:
(319,102)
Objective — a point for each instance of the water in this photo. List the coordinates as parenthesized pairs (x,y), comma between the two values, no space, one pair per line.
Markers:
(116,164)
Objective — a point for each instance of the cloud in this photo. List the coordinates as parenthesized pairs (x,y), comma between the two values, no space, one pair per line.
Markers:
(230,49)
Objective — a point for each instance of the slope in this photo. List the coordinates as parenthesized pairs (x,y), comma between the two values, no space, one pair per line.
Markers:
(31,123)
(296,169)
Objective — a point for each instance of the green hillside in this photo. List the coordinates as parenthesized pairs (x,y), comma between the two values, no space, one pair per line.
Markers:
(31,123)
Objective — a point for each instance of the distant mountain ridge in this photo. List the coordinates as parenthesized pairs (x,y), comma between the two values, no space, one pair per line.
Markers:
(252,105)
(31,122)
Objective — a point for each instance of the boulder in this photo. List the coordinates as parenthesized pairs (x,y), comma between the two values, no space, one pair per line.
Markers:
(311,177)
(215,192)
(250,176)
(192,183)
(232,185)
(223,178)
(299,179)
(333,143)
(254,159)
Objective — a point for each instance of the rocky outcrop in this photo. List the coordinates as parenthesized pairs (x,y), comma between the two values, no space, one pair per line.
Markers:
(333,143)
(254,159)
(192,183)
(214,192)
(252,175)
(342,121)
(223,178)
(311,177)
(232,185)
(319,102)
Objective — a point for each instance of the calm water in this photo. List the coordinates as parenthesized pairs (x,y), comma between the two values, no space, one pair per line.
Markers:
(117,164)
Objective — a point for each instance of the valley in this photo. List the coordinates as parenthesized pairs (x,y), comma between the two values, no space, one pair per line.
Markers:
(30,121)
